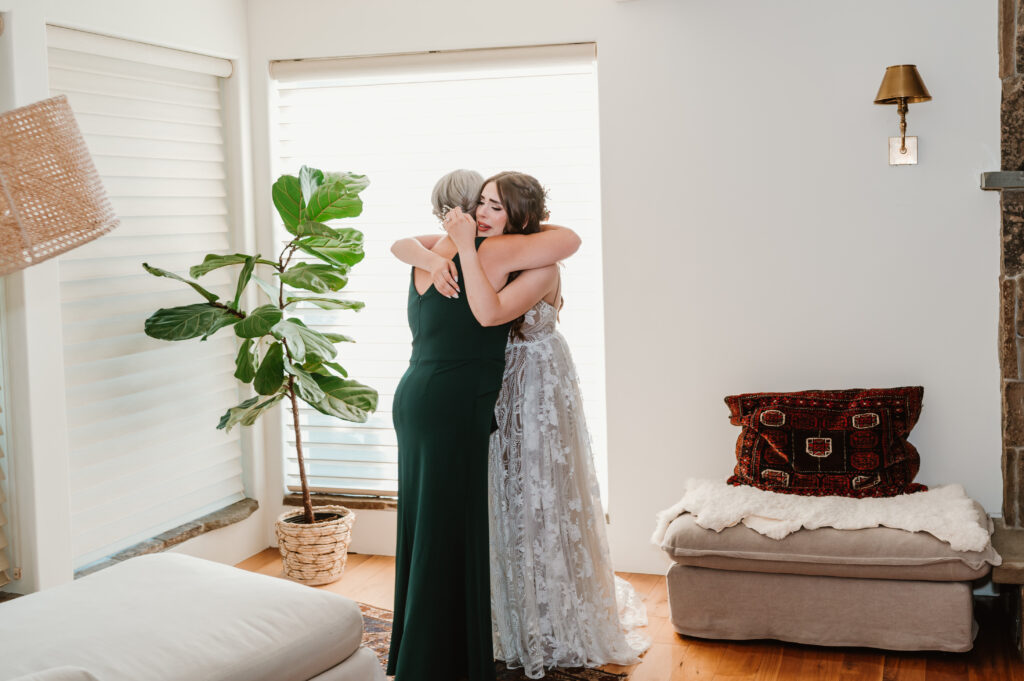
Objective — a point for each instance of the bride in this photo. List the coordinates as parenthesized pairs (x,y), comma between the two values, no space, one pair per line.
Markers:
(555,600)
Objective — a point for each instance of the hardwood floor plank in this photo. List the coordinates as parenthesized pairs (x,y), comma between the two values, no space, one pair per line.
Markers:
(657,605)
(371,582)
(904,667)
(643,584)
(946,667)
(807,663)
(663,631)
(661,662)
(268,558)
(701,659)
(862,664)
(746,660)
(770,664)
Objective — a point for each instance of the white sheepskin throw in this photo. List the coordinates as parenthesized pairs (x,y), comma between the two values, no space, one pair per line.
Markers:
(945,512)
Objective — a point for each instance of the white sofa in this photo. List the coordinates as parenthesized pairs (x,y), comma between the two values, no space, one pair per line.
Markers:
(171,617)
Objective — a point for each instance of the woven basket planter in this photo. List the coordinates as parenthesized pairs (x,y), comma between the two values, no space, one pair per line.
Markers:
(315,554)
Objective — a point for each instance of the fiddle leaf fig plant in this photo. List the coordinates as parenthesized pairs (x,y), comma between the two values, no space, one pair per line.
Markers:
(278,354)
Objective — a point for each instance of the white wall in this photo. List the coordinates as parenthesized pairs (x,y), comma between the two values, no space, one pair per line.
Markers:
(38,438)
(755,236)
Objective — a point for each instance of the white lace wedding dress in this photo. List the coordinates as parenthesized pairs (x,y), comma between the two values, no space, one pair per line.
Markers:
(554,598)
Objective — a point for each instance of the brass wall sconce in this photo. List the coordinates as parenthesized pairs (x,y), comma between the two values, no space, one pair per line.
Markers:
(902,85)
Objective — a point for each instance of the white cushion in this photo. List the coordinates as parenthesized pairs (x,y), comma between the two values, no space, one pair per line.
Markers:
(59,674)
(362,666)
(167,616)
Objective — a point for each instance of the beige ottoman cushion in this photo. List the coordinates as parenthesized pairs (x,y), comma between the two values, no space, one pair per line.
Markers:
(828,611)
(872,553)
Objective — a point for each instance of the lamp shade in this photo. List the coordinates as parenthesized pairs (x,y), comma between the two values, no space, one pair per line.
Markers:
(51,197)
(902,82)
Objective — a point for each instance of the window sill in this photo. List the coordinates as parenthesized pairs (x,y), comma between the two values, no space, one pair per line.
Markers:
(348,501)
(229,515)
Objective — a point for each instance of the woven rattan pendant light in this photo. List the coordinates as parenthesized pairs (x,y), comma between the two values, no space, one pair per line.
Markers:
(51,197)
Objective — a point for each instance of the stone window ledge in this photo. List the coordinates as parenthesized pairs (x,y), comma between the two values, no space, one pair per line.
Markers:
(229,515)
(348,501)
(1003,179)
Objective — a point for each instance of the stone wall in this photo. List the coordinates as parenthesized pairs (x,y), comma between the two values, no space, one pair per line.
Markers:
(1011,284)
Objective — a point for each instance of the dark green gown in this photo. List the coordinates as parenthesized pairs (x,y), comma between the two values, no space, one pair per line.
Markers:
(443,411)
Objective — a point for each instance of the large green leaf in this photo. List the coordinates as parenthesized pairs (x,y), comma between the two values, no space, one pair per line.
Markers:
(311,228)
(353,183)
(302,340)
(337,197)
(305,386)
(337,367)
(309,180)
(345,249)
(243,278)
(188,321)
(287,195)
(348,400)
(245,362)
(213,262)
(327,303)
(247,412)
(339,338)
(316,278)
(269,289)
(315,365)
(270,375)
(259,322)
(157,272)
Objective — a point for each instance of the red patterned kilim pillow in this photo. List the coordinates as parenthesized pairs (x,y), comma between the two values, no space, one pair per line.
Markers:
(850,443)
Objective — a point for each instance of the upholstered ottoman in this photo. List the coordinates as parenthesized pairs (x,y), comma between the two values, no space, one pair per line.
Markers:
(171,617)
(877,587)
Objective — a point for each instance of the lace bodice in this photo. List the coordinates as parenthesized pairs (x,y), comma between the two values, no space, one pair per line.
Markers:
(540,323)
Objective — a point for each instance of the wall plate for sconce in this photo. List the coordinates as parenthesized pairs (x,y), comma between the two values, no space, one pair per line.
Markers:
(898,159)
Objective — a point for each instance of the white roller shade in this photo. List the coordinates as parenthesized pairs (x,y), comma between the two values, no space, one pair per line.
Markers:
(145,452)
(433,66)
(404,121)
(135,52)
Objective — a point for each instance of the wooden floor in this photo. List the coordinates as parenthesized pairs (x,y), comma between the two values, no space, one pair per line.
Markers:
(370,579)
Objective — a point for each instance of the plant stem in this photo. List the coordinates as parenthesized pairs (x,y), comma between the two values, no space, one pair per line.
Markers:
(282,266)
(240,315)
(307,503)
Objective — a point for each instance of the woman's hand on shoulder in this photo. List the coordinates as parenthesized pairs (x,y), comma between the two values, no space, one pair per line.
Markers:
(446,277)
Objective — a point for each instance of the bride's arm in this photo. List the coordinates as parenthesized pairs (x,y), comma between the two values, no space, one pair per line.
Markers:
(489,307)
(419,252)
(515,252)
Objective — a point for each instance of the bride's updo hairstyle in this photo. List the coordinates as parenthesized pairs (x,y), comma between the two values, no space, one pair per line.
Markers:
(525,202)
(457,189)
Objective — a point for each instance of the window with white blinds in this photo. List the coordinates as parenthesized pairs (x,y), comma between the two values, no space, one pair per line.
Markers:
(404,121)
(145,454)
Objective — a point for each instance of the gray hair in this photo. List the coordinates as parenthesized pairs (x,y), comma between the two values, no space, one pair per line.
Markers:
(458,189)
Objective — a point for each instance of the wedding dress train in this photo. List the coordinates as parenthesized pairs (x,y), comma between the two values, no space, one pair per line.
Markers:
(555,600)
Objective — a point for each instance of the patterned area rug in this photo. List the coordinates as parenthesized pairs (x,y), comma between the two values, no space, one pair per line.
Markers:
(377,637)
